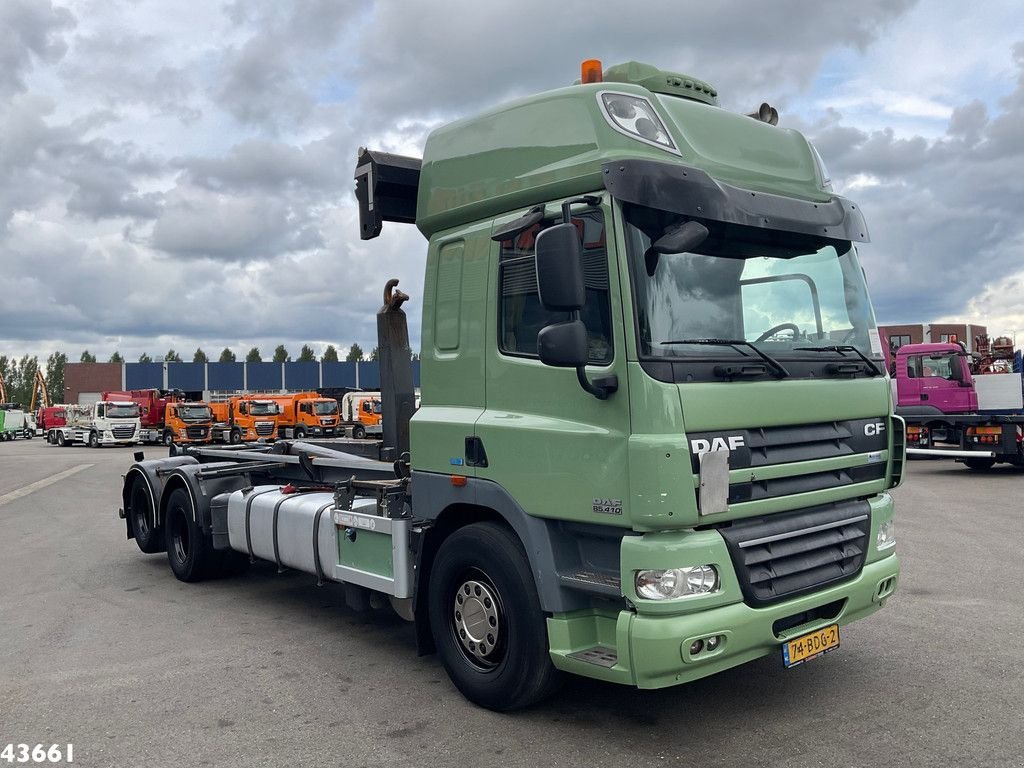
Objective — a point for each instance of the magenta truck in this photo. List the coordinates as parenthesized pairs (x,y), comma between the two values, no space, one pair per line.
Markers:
(949,411)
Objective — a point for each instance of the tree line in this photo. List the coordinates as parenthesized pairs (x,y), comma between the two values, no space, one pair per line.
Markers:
(19,375)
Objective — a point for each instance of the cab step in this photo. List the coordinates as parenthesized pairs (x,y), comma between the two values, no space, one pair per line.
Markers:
(599,655)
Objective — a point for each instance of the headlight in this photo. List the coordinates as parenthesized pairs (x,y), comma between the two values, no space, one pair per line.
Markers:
(677,582)
(636,117)
(886,538)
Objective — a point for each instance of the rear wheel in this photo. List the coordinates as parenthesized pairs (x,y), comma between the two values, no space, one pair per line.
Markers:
(190,553)
(141,518)
(486,619)
(61,440)
(980,463)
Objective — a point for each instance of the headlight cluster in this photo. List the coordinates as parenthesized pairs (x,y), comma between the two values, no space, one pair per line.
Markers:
(886,538)
(674,583)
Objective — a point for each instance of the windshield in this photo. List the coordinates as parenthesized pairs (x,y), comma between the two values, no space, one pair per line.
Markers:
(195,412)
(262,409)
(777,296)
(325,408)
(122,411)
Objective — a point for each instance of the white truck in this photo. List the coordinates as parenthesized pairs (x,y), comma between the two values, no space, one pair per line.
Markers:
(361,414)
(107,422)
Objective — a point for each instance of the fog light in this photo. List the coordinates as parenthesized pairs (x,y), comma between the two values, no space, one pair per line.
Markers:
(713,642)
(676,582)
(886,538)
(696,647)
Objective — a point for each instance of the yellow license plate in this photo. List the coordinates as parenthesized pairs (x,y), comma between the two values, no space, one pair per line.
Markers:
(810,646)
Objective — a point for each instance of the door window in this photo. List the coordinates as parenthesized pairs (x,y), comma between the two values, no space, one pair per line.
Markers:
(521,314)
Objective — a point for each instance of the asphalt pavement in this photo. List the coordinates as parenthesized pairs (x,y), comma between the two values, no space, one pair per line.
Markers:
(101,647)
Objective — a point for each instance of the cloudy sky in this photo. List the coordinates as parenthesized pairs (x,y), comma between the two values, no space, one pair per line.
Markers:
(180,174)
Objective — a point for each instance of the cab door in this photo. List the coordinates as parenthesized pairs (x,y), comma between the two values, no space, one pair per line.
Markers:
(558,451)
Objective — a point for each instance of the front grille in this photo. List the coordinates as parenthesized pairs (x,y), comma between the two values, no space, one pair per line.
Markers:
(766,446)
(123,432)
(782,556)
(195,433)
(264,430)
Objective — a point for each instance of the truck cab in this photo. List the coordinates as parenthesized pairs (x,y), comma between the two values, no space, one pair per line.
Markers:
(647,344)
(246,418)
(361,412)
(306,414)
(934,379)
(187,422)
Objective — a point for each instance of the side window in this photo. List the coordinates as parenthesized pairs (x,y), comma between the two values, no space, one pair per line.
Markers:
(914,366)
(521,314)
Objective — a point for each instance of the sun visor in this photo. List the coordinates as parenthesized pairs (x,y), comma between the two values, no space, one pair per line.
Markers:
(692,192)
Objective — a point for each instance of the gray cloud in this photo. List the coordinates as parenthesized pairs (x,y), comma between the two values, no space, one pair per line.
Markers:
(944,213)
(29,29)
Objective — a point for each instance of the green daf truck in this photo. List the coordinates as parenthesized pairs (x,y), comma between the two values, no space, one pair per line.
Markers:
(656,437)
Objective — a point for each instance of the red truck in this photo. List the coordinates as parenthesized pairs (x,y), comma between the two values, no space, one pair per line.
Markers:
(168,417)
(50,416)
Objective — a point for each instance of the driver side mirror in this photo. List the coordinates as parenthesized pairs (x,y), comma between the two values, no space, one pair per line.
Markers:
(563,345)
(560,269)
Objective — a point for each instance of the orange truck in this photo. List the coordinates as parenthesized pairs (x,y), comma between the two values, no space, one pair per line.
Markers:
(306,414)
(361,411)
(245,418)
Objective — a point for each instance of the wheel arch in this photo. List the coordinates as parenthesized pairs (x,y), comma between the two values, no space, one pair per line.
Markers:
(449,508)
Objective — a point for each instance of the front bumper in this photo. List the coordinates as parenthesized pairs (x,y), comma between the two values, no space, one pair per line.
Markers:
(650,640)
(659,645)
(653,650)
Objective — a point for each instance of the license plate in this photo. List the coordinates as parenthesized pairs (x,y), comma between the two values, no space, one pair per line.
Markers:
(810,646)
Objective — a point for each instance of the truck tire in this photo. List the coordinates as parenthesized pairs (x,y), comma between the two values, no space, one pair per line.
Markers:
(61,440)
(168,437)
(29,434)
(300,433)
(141,517)
(189,551)
(94,440)
(486,619)
(236,437)
(358,432)
(980,463)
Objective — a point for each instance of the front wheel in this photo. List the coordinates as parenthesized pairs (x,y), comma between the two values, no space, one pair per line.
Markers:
(236,437)
(300,433)
(980,463)
(61,440)
(358,432)
(94,440)
(168,437)
(486,619)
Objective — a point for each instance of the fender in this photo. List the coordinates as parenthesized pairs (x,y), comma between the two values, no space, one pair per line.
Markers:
(201,490)
(153,473)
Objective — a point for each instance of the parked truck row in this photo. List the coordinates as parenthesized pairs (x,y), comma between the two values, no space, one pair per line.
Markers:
(656,438)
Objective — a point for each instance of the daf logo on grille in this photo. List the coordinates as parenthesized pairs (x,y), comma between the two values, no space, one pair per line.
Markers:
(876,428)
(701,445)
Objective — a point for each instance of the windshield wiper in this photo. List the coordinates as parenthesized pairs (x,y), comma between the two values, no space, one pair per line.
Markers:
(780,371)
(842,349)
